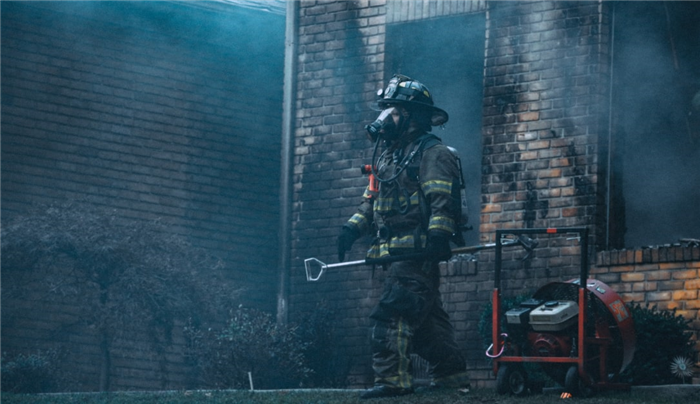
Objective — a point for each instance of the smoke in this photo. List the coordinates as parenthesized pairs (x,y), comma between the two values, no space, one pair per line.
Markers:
(657,74)
(178,108)
(252,23)
(220,57)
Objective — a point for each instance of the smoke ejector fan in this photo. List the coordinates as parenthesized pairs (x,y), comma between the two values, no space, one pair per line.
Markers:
(579,332)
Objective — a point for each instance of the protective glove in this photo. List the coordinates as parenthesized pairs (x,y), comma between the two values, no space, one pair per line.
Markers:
(347,237)
(438,248)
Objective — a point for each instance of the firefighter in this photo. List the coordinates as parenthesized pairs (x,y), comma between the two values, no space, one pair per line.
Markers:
(415,212)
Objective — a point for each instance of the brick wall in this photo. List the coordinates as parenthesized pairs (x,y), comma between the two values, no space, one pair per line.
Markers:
(544,84)
(545,80)
(144,109)
(412,10)
(340,65)
(544,76)
(666,277)
(182,134)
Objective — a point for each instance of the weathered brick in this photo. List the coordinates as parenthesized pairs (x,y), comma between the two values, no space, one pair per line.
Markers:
(671,285)
(651,286)
(668,305)
(525,137)
(685,295)
(655,273)
(527,156)
(659,296)
(528,116)
(632,277)
(491,208)
(689,314)
(537,145)
(687,274)
(633,297)
(692,284)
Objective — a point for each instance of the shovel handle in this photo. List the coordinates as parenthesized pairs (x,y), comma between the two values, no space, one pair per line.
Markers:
(310,262)
(395,258)
(527,243)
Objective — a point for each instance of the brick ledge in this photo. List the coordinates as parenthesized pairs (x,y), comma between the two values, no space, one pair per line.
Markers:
(649,255)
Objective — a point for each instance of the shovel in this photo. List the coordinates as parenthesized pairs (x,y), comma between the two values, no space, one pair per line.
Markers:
(314,265)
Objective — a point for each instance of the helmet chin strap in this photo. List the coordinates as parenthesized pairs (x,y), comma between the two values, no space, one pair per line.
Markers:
(411,132)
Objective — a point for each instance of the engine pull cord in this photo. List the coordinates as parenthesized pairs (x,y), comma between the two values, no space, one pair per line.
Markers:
(503,347)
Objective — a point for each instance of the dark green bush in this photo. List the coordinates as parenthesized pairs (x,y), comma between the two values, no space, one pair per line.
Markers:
(277,356)
(251,342)
(661,336)
(111,280)
(330,367)
(30,373)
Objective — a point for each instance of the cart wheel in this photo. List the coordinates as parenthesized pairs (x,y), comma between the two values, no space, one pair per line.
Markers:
(575,385)
(511,379)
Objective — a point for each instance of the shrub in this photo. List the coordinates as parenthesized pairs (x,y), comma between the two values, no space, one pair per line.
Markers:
(251,342)
(89,272)
(330,367)
(661,336)
(30,373)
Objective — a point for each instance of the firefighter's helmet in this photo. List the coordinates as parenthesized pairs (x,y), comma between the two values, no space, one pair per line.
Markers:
(404,91)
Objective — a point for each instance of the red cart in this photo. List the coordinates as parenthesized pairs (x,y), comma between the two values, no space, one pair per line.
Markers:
(579,332)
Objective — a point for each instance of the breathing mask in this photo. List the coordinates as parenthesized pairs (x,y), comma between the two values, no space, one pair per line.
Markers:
(383,127)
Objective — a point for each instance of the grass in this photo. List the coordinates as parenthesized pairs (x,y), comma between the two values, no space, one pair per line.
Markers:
(334,397)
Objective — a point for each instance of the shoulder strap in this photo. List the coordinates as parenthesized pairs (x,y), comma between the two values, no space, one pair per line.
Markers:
(424,142)
(428,140)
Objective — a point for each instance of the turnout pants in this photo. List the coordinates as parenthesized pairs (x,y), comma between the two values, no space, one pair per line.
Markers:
(410,319)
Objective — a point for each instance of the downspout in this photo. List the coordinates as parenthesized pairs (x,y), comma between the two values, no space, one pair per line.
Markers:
(287,158)
(608,179)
